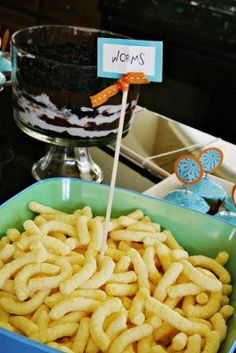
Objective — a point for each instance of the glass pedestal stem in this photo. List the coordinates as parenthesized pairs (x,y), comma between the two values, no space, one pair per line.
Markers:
(62,161)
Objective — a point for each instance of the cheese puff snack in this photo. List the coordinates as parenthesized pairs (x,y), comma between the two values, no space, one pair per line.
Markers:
(146,295)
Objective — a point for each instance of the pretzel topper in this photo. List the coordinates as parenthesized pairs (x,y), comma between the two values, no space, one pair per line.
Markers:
(5,39)
(188,169)
(211,159)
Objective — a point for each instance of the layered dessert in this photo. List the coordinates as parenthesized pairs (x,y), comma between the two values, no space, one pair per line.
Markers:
(54,74)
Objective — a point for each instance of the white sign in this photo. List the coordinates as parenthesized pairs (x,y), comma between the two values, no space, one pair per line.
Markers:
(123,58)
(119,56)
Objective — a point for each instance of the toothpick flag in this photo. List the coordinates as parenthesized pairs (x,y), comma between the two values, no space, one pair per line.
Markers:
(132,62)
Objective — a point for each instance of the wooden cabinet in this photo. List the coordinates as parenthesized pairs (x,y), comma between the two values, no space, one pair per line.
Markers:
(15,14)
(72,12)
(21,5)
(14,20)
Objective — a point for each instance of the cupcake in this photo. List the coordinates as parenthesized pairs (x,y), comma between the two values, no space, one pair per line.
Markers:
(212,192)
(187,199)
(229,217)
(189,171)
(5,68)
(230,201)
(229,204)
(5,62)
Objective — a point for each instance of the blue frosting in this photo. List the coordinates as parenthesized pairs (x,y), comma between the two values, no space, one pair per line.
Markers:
(229,205)
(5,63)
(188,200)
(229,217)
(2,79)
(209,189)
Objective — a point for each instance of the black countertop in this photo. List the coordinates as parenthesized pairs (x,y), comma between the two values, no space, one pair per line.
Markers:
(18,152)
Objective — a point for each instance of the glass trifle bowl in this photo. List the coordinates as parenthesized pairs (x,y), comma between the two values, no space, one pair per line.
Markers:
(54,72)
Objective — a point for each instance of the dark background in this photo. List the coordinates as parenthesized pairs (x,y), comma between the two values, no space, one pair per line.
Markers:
(199,49)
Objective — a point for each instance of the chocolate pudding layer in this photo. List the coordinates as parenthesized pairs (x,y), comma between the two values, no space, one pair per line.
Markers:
(54,74)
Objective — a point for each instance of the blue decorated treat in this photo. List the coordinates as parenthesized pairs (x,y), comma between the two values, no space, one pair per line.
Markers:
(213,193)
(5,63)
(229,204)
(211,159)
(188,199)
(229,217)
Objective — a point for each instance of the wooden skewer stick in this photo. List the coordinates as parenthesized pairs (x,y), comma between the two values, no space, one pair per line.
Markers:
(5,39)
(114,173)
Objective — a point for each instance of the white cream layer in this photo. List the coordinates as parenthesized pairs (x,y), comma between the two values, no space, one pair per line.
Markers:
(33,112)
